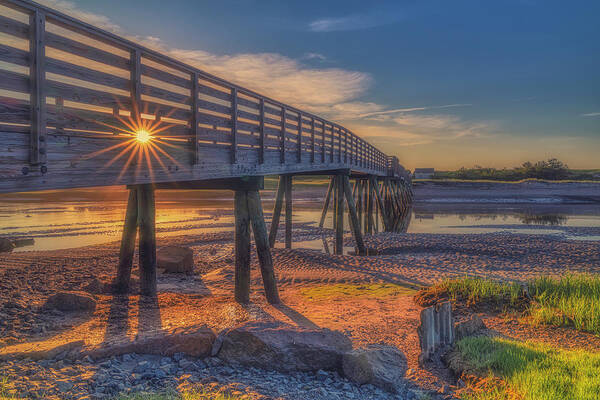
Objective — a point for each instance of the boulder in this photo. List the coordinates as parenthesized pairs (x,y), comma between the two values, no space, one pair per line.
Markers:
(6,246)
(194,341)
(175,259)
(379,365)
(277,346)
(71,301)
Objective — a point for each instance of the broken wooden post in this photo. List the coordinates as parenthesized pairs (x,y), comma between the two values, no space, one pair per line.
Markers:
(277,211)
(288,212)
(147,239)
(262,246)
(339,229)
(127,244)
(242,247)
(360,245)
(326,203)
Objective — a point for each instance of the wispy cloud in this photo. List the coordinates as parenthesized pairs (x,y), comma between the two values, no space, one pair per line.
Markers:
(355,21)
(411,109)
(314,56)
(594,114)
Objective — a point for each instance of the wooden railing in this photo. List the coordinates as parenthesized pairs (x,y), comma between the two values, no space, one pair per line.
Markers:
(61,77)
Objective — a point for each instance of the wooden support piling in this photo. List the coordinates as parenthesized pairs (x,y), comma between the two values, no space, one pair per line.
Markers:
(262,246)
(359,205)
(326,203)
(360,245)
(242,247)
(339,230)
(127,244)
(288,212)
(147,239)
(277,210)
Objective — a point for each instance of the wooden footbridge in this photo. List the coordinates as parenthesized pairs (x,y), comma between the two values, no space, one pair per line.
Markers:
(82,107)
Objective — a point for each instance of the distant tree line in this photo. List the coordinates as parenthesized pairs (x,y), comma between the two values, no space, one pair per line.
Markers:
(552,169)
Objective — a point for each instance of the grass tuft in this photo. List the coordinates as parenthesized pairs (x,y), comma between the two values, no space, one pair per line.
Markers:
(529,371)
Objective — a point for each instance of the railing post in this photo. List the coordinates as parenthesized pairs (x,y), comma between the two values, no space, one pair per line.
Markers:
(234,133)
(283,132)
(322,142)
(332,144)
(136,87)
(312,140)
(299,137)
(37,148)
(194,125)
(261,127)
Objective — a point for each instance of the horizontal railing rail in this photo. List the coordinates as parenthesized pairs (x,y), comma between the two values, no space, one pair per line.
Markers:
(66,78)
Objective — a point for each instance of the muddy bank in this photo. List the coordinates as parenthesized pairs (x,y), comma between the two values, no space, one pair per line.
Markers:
(534,192)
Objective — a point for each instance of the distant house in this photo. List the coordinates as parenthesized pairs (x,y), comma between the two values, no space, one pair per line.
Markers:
(423,173)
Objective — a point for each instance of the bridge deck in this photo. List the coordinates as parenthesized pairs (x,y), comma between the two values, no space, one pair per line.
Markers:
(73,97)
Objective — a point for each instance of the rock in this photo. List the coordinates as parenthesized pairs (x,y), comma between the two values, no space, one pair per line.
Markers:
(379,365)
(276,346)
(436,330)
(468,327)
(194,341)
(71,301)
(6,246)
(175,259)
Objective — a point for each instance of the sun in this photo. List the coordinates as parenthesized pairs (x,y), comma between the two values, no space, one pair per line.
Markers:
(143,136)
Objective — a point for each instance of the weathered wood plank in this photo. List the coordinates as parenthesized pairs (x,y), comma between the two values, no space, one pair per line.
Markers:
(242,247)
(37,151)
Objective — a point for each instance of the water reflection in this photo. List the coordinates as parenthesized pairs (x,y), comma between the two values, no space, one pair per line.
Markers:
(57,224)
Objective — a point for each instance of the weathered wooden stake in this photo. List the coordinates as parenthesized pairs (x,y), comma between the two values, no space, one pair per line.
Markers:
(262,246)
(288,212)
(277,211)
(326,203)
(339,231)
(242,247)
(127,244)
(360,245)
(147,239)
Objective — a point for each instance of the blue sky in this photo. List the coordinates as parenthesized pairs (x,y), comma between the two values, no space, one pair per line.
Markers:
(439,83)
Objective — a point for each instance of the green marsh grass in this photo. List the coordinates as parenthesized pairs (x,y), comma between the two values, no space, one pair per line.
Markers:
(573,300)
(533,371)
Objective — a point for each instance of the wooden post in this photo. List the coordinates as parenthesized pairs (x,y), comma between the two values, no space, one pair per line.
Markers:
(147,239)
(326,203)
(195,120)
(339,229)
(37,142)
(379,206)
(360,245)
(234,129)
(288,212)
(312,140)
(359,205)
(369,207)
(277,211)
(127,244)
(242,247)
(336,193)
(261,131)
(262,246)
(299,141)
(283,136)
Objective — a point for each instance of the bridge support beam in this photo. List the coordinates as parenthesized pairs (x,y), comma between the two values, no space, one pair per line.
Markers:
(248,212)
(140,216)
(288,212)
(339,214)
(277,210)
